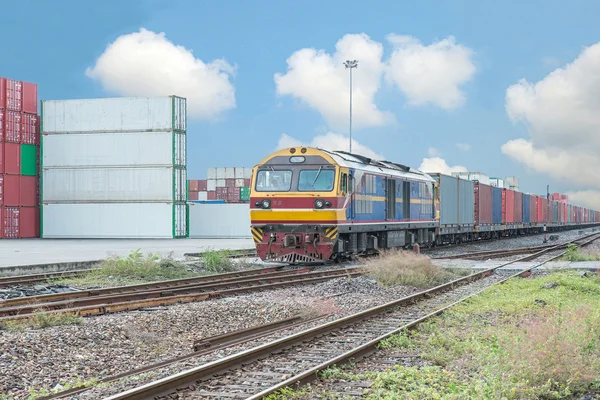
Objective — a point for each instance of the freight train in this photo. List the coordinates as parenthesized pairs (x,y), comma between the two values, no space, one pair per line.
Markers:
(311,205)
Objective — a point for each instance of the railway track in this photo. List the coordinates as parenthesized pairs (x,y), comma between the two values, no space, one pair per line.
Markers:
(295,359)
(9,281)
(143,296)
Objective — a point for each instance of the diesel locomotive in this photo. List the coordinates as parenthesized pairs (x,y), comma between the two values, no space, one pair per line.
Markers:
(312,205)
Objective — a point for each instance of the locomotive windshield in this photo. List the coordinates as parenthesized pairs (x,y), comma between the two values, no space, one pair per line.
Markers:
(320,180)
(273,181)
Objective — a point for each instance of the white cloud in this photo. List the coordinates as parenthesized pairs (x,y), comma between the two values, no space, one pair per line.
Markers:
(433,152)
(437,164)
(585,198)
(332,142)
(146,63)
(562,113)
(463,146)
(430,74)
(321,81)
(426,74)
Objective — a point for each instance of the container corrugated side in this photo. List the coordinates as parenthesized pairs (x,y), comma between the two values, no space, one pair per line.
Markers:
(526,209)
(114,220)
(220,221)
(496,205)
(509,206)
(466,202)
(112,114)
(483,203)
(448,199)
(111,184)
(533,209)
(518,207)
(113,149)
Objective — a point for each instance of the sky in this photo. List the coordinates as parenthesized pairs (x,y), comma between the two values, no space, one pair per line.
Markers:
(507,88)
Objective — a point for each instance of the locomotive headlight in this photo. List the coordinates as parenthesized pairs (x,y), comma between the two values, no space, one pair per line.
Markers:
(319,203)
(266,204)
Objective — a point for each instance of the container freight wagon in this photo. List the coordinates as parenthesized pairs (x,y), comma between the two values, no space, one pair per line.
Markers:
(455,204)
(19,160)
(114,168)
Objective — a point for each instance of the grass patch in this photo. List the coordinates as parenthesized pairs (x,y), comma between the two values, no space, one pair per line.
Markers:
(217,261)
(133,269)
(575,253)
(40,320)
(398,267)
(528,338)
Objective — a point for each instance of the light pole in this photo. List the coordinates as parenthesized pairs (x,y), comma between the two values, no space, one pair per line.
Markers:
(349,64)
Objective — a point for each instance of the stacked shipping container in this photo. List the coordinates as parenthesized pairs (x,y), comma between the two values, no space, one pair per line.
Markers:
(19,150)
(231,184)
(114,168)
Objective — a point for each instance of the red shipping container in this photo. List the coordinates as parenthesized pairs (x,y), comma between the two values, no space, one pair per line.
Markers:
(230,183)
(10,222)
(211,195)
(483,203)
(192,195)
(12,158)
(508,201)
(12,127)
(518,207)
(12,190)
(247,182)
(29,191)
(193,185)
(1,190)
(533,218)
(14,95)
(202,185)
(29,222)
(1,125)
(29,129)
(30,98)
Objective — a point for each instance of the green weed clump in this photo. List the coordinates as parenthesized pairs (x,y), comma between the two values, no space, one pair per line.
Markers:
(217,261)
(397,267)
(575,253)
(40,320)
(133,269)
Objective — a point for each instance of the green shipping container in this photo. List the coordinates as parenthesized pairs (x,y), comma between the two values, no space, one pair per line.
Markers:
(245,193)
(29,160)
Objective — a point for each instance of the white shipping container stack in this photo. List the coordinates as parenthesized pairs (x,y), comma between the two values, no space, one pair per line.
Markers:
(114,168)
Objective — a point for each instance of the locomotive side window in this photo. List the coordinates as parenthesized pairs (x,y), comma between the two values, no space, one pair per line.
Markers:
(319,180)
(344,183)
(273,181)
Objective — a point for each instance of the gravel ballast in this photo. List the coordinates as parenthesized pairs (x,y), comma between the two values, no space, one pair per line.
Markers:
(111,344)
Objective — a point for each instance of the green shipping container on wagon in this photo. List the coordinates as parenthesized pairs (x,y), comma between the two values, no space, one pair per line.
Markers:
(29,160)
(245,193)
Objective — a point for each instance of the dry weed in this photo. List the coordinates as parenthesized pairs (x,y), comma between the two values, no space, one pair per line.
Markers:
(398,267)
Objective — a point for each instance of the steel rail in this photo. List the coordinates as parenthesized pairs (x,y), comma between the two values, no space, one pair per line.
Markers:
(167,384)
(214,343)
(32,278)
(226,277)
(133,301)
(370,347)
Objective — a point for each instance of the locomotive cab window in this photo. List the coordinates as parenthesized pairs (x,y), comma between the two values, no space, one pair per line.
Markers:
(318,180)
(273,181)
(344,183)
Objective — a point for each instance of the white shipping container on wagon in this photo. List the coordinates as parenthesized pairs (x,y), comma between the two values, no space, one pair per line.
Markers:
(225,221)
(113,220)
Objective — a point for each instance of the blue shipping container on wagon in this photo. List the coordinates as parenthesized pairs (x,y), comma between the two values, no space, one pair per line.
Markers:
(496,205)
(526,208)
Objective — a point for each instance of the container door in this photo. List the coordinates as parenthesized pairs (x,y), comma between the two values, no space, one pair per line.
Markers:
(179,114)
(180,149)
(390,199)
(180,181)
(180,222)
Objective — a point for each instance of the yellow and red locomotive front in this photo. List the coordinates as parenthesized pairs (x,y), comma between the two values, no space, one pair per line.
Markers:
(297,200)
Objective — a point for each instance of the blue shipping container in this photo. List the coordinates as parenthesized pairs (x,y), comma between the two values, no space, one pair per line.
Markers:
(496,205)
(526,208)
